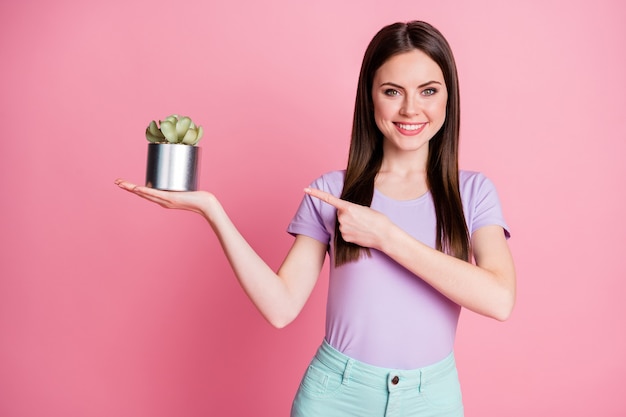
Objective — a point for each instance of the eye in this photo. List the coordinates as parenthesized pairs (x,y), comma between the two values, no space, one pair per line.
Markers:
(391,92)
(429,91)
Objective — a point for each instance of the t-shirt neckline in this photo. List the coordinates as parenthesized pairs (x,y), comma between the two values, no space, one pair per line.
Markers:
(402,202)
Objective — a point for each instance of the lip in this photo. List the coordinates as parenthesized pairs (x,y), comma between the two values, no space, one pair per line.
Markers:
(410,129)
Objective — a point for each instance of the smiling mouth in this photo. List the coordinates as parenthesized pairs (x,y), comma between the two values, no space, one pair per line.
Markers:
(410,127)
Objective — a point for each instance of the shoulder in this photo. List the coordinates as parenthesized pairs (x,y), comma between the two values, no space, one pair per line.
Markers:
(480,201)
(472,183)
(477,190)
(468,178)
(331,182)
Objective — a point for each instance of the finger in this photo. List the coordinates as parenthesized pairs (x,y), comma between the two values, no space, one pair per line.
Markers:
(162,198)
(327,198)
(166,199)
(146,192)
(125,185)
(133,188)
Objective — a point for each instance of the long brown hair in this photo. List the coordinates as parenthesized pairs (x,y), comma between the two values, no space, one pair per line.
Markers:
(366,150)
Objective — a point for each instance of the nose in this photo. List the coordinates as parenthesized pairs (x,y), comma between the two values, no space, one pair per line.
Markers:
(410,106)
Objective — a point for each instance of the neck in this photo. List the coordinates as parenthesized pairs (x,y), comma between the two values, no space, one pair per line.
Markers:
(405,163)
(403,176)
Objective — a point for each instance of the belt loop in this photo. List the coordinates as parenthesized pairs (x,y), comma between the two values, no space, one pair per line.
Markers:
(346,371)
(419,385)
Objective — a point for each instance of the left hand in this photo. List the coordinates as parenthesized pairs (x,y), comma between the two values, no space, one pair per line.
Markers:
(358,224)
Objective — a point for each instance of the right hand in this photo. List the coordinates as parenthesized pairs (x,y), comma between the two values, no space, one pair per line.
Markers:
(197,201)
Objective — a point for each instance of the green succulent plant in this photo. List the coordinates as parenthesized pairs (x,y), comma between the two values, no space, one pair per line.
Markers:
(174,129)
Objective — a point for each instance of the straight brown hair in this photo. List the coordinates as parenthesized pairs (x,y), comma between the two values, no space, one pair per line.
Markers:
(366,150)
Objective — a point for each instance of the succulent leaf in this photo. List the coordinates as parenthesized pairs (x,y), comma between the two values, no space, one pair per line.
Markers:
(191,137)
(174,129)
(182,127)
(151,138)
(169,131)
(154,130)
(173,118)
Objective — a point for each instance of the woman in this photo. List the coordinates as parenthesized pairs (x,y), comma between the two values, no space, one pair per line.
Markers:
(401,226)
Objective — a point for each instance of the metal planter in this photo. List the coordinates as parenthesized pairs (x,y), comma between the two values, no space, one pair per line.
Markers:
(173,166)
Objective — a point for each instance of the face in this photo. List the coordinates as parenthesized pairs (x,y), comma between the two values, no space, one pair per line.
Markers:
(410,97)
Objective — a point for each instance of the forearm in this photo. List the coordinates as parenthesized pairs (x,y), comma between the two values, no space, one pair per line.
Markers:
(268,292)
(490,292)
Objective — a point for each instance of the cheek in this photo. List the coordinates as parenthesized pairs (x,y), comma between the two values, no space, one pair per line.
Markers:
(380,124)
(378,113)
(384,111)
(438,111)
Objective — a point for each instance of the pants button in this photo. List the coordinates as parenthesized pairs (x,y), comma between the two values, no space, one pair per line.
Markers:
(395,380)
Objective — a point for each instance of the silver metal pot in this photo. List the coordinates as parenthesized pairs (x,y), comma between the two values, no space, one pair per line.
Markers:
(173,166)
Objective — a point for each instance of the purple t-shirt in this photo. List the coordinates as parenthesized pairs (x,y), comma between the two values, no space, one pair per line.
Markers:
(378,312)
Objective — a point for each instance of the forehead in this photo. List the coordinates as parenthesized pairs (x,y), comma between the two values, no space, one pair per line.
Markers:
(408,68)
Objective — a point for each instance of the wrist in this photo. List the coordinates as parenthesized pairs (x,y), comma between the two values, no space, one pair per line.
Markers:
(212,209)
(391,239)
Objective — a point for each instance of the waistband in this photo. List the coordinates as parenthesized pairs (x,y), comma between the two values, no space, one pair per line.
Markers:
(378,377)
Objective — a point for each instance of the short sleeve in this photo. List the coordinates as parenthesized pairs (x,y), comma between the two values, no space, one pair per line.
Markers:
(481,203)
(314,218)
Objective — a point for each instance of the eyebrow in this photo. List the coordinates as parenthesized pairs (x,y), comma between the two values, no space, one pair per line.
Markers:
(419,86)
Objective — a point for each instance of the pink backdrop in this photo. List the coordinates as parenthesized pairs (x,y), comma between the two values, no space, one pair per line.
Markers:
(110,306)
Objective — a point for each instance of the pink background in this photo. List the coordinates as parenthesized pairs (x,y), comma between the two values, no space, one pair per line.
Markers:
(110,306)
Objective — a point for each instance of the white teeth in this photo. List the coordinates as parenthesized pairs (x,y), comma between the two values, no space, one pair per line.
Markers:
(410,127)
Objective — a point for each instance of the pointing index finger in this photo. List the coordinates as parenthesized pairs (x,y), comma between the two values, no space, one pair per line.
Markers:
(326,197)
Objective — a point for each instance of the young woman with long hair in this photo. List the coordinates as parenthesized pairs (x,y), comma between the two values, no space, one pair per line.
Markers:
(411,239)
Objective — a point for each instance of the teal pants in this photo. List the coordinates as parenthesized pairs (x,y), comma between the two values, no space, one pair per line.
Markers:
(337,385)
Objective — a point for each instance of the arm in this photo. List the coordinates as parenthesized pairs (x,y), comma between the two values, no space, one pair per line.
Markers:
(487,288)
(279,296)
